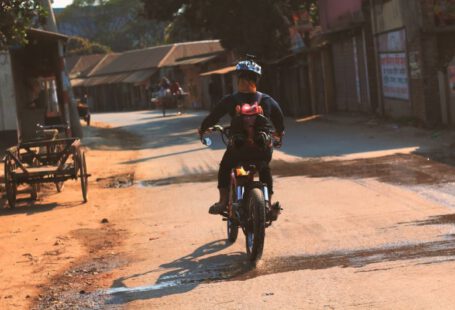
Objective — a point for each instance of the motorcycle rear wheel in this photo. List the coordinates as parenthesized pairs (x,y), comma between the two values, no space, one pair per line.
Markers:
(255,230)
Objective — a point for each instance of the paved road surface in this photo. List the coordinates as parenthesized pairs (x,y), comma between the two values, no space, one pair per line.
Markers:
(363,226)
(342,242)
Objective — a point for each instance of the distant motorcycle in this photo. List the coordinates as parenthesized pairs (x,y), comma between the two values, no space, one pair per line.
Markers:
(249,204)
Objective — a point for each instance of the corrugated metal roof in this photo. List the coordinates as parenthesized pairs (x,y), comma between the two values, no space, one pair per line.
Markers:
(105,62)
(133,60)
(219,71)
(139,76)
(83,64)
(138,65)
(191,49)
(70,62)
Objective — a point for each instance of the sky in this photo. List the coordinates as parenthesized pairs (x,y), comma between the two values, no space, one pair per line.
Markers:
(61,3)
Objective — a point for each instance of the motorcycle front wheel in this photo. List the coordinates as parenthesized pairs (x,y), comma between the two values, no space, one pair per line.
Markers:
(255,228)
(232,231)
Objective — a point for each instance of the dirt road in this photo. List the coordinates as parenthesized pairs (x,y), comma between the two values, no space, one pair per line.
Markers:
(367,223)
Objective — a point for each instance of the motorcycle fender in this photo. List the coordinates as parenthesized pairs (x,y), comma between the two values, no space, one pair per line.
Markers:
(263,187)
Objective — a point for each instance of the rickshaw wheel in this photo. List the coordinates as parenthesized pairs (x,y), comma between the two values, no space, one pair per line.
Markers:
(11,187)
(35,190)
(83,176)
(59,186)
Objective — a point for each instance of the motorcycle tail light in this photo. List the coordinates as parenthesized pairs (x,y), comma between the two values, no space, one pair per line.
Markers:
(240,172)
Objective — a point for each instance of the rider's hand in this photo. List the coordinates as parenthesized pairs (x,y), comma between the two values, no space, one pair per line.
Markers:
(201,132)
(278,137)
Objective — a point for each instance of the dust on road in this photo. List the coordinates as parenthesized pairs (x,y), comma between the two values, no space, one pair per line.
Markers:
(77,286)
(399,169)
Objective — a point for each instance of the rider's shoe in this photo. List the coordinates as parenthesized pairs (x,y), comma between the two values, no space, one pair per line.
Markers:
(217,208)
(275,211)
(220,207)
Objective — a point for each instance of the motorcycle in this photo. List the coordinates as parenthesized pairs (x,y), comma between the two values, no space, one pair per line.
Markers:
(249,206)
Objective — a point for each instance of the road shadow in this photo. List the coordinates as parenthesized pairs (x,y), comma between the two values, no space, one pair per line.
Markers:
(315,137)
(31,207)
(188,272)
(444,219)
(28,206)
(308,139)
(399,169)
(141,160)
(149,132)
(431,252)
(184,274)
(443,155)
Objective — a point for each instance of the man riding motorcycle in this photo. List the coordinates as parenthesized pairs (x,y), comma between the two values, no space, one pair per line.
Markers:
(248,73)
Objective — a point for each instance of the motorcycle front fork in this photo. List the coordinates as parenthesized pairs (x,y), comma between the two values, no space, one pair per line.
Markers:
(240,193)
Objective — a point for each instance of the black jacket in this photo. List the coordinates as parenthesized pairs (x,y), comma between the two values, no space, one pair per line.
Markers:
(227,105)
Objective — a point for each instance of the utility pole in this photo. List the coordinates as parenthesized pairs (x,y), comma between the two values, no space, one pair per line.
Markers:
(374,29)
(51,24)
(70,103)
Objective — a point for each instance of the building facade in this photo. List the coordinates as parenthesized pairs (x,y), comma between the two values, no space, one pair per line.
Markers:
(345,57)
(128,81)
(414,50)
(390,57)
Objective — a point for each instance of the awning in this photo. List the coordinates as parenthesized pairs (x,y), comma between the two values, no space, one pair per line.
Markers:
(219,71)
(106,79)
(47,34)
(194,61)
(139,76)
(77,82)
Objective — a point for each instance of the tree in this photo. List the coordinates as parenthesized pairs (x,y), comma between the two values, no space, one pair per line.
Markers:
(260,27)
(180,30)
(113,23)
(16,16)
(81,46)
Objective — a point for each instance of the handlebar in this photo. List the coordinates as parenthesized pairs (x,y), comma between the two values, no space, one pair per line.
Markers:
(225,131)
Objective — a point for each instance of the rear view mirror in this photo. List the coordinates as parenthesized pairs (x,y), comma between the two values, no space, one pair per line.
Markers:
(207,141)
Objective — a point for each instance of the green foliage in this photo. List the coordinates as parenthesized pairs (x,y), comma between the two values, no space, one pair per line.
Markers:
(113,23)
(259,27)
(16,16)
(313,9)
(180,30)
(81,46)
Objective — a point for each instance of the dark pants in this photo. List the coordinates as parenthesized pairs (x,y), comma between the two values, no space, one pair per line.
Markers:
(234,156)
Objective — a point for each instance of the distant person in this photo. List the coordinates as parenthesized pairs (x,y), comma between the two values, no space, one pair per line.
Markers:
(177,95)
(88,100)
(164,93)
